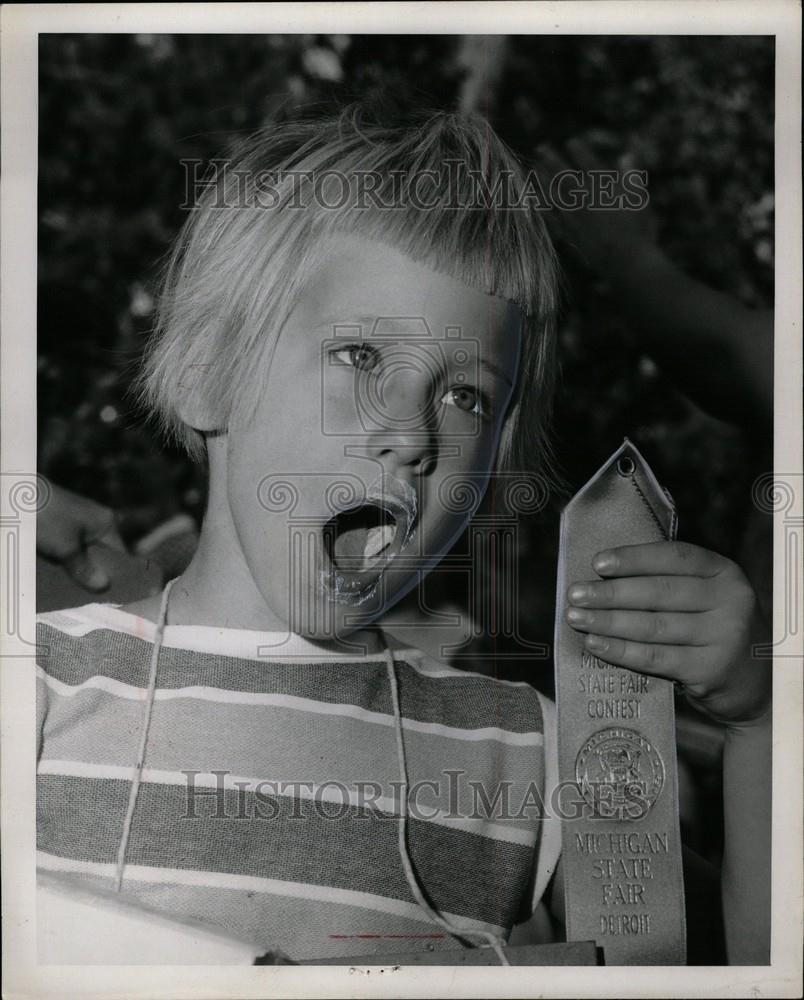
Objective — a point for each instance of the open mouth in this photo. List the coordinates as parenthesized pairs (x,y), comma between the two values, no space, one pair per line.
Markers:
(360,542)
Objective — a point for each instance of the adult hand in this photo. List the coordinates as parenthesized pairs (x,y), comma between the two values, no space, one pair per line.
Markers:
(66,525)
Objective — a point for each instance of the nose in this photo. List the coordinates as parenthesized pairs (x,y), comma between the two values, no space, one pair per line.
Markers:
(402,422)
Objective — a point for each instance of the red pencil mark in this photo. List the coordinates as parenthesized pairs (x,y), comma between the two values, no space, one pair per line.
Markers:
(390,937)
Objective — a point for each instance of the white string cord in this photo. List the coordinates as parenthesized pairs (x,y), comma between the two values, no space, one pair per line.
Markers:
(491,940)
(146,723)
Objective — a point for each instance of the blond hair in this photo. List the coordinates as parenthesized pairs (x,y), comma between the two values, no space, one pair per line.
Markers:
(239,264)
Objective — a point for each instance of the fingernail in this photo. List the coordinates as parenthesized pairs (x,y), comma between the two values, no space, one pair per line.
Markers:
(596,644)
(604,562)
(576,615)
(577,593)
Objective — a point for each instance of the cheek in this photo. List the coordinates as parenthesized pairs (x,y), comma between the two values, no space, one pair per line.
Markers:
(257,497)
(475,454)
(455,496)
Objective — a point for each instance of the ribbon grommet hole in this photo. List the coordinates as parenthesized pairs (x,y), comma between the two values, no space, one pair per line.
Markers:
(625,466)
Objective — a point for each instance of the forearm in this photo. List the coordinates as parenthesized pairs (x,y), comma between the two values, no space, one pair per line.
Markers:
(719,351)
(746,874)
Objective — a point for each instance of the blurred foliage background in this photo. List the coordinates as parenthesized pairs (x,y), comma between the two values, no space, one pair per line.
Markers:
(119,112)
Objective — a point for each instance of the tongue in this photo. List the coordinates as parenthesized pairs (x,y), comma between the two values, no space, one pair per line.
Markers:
(348,548)
(377,539)
(354,546)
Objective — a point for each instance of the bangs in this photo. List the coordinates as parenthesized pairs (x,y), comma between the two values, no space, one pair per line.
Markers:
(440,188)
(443,189)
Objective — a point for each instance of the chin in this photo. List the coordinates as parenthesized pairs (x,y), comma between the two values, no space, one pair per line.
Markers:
(335,612)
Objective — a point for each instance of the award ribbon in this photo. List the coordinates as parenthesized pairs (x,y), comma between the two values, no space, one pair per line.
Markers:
(621,845)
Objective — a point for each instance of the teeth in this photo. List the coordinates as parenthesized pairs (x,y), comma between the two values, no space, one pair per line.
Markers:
(377,539)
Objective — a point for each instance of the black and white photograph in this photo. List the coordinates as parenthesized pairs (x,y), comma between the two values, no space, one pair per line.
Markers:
(402,499)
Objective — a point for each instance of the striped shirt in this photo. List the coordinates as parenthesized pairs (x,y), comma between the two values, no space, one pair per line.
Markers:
(269,796)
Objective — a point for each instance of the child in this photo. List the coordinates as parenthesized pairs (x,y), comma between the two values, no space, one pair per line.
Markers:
(357,335)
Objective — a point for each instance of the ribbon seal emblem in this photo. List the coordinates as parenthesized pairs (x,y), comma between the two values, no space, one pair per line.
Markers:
(619,774)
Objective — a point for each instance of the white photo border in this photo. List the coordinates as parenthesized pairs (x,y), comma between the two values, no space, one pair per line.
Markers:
(21,25)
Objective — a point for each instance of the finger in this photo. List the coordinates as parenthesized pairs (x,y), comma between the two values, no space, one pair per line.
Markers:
(113,540)
(656,659)
(56,543)
(645,593)
(658,558)
(86,572)
(640,626)
(97,523)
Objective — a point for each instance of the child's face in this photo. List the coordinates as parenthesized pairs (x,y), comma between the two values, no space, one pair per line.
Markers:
(393,381)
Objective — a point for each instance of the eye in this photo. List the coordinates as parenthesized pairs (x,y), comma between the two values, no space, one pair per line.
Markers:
(361,356)
(468,399)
